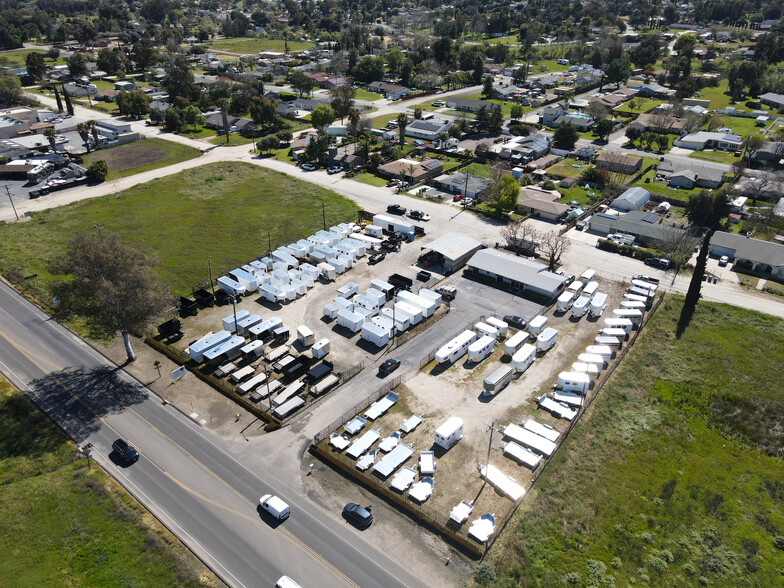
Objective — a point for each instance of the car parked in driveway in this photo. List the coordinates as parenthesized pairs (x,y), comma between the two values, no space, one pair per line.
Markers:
(396,209)
(358,515)
(334,169)
(308,167)
(724,260)
(457,198)
(125,451)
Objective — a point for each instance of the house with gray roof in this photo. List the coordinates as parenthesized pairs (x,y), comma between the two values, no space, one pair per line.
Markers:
(515,273)
(646,227)
(429,129)
(465,184)
(749,254)
(469,104)
(710,140)
(772,99)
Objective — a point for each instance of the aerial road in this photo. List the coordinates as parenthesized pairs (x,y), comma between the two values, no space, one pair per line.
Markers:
(183,476)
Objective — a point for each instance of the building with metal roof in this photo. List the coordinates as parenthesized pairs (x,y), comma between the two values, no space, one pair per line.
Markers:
(427,130)
(451,250)
(748,253)
(632,199)
(465,184)
(516,273)
(646,227)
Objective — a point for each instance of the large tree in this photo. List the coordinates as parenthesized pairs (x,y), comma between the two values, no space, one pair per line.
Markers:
(36,68)
(552,246)
(704,209)
(321,116)
(110,283)
(342,100)
(301,83)
(565,136)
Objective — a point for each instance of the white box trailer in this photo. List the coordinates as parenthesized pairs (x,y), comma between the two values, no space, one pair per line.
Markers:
(497,379)
(414,313)
(246,279)
(317,240)
(317,257)
(546,339)
(636,304)
(359,244)
(375,334)
(633,314)
(574,382)
(344,249)
(197,349)
(300,287)
(327,238)
(565,301)
(349,320)
(231,286)
(587,275)
(609,341)
(342,303)
(619,323)
(486,330)
(456,348)
(366,315)
(394,225)
(593,358)
(227,350)
(228,322)
(339,232)
(613,332)
(294,274)
(430,294)
(327,250)
(246,323)
(428,306)
(281,275)
(305,336)
(598,304)
(346,260)
(348,290)
(320,349)
(449,433)
(326,271)
(284,257)
(604,351)
(385,287)
(374,231)
(581,306)
(384,323)
(299,251)
(590,289)
(365,302)
(377,296)
(271,293)
(305,245)
(481,349)
(402,322)
(586,368)
(264,329)
(368,241)
(537,324)
(515,342)
(523,358)
(498,324)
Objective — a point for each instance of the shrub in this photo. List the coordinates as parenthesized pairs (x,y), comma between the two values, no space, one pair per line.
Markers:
(753,104)
(616,563)
(485,573)
(574,578)
(646,537)
(778,542)
(657,563)
(98,170)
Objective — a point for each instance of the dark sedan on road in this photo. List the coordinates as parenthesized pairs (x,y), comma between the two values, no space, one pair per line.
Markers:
(125,451)
(358,515)
(396,209)
(389,366)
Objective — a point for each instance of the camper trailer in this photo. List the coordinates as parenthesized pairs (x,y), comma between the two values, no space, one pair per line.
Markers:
(413,313)
(524,357)
(498,379)
(604,351)
(449,433)
(598,304)
(633,314)
(593,358)
(546,339)
(320,349)
(326,271)
(486,330)
(574,382)
(348,290)
(565,301)
(515,342)
(590,289)
(498,324)
(581,306)
(480,349)
(231,286)
(587,275)
(350,320)
(375,334)
(456,348)
(635,304)
(537,324)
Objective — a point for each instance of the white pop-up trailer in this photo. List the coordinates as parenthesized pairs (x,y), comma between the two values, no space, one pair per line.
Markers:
(515,342)
(350,320)
(230,286)
(196,350)
(537,324)
(228,322)
(375,334)
(521,454)
(557,408)
(545,431)
(498,325)
(598,304)
(449,433)
(523,358)
(428,306)
(413,313)
(501,482)
(581,306)
(530,439)
(320,349)
(245,323)
(486,330)
(565,301)
(456,348)
(481,348)
(574,382)
(546,339)
(497,379)
(246,279)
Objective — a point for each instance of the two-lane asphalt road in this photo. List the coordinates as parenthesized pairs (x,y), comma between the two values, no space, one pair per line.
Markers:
(184,476)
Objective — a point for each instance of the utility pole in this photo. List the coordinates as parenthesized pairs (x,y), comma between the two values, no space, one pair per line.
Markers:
(489,447)
(12,201)
(323,216)
(234,305)
(209,269)
(269,244)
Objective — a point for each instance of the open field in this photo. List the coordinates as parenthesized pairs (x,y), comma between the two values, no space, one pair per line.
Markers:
(62,523)
(222,211)
(642,105)
(666,481)
(568,167)
(141,156)
(363,94)
(250,45)
(727,157)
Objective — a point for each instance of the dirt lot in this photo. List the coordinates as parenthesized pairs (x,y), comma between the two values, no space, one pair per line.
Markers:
(438,393)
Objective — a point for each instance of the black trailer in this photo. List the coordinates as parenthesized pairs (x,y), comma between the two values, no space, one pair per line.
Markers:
(401,282)
(319,372)
(204,297)
(281,334)
(222,297)
(170,328)
(296,368)
(188,306)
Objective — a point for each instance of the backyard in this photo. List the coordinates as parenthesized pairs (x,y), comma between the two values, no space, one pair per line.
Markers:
(62,523)
(141,156)
(671,478)
(252,45)
(222,211)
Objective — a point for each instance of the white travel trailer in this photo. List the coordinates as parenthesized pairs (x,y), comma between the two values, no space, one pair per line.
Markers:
(344,249)
(456,348)
(633,314)
(428,306)
(258,267)
(598,304)
(228,322)
(326,271)
(575,287)
(305,336)
(636,298)
(231,286)
(498,324)
(537,324)
(590,289)
(341,303)
(546,339)
(402,322)
(317,257)
(449,433)
(359,244)
(565,301)
(643,285)
(299,251)
(480,349)
(524,357)
(351,321)
(604,351)
(246,279)
(374,231)
(375,334)
(414,313)
(486,330)
(619,323)
(271,293)
(346,260)
(498,379)
(339,265)
(320,349)
(306,245)
(587,276)
(330,238)
(636,304)
(394,225)
(515,342)
(284,257)
(300,287)
(613,332)
(281,275)
(574,382)
(581,306)
(310,270)
(196,350)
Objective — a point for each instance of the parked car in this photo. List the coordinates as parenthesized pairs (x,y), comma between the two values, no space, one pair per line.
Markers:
(645,278)
(334,169)
(658,262)
(467,201)
(388,366)
(418,215)
(396,209)
(358,515)
(515,321)
(724,260)
(308,167)
(438,103)
(275,506)
(125,451)
(457,198)
(377,258)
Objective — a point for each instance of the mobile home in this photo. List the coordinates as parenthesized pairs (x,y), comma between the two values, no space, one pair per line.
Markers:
(524,357)
(546,339)
(449,433)
(498,379)
(456,348)
(480,349)
(598,304)
(515,342)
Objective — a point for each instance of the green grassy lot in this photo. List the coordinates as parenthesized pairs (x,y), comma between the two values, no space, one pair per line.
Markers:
(222,211)
(381,121)
(370,179)
(719,156)
(363,94)
(18,57)
(234,139)
(252,45)
(660,188)
(645,104)
(718,98)
(577,193)
(740,126)
(141,156)
(197,132)
(62,524)
(478,169)
(667,480)
(564,169)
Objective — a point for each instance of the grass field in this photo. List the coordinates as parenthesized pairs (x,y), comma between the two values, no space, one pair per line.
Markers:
(222,211)
(363,94)
(645,104)
(62,524)
(565,169)
(141,156)
(718,156)
(478,169)
(669,478)
(197,132)
(370,180)
(251,45)
(659,188)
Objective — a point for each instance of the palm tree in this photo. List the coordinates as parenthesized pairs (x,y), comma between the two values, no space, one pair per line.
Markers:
(84,134)
(353,119)
(402,121)
(443,137)
(49,133)
(93,126)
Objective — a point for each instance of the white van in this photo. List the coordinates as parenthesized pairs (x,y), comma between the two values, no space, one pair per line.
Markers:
(275,506)
(286,582)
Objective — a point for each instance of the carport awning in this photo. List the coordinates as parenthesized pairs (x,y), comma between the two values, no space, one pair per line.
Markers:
(454,246)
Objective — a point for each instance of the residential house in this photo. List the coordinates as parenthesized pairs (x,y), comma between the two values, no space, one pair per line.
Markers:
(345,156)
(525,148)
(544,82)
(613,161)
(750,254)
(414,171)
(770,151)
(298,144)
(710,140)
(653,91)
(542,209)
(469,104)
(690,176)
(429,129)
(390,91)
(297,107)
(465,184)
(126,85)
(80,89)
(214,120)
(659,123)
(582,122)
(327,81)
(107,95)
(549,114)
(509,92)
(534,192)
(773,100)
(646,227)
